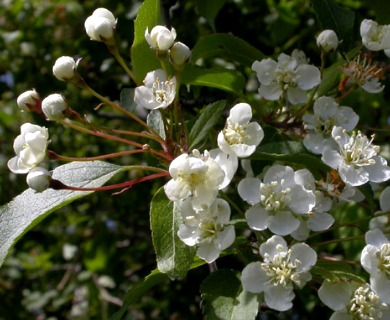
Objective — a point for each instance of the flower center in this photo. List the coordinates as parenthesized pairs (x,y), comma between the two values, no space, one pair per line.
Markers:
(235,133)
(273,199)
(384,259)
(209,230)
(163,91)
(286,78)
(366,305)
(280,269)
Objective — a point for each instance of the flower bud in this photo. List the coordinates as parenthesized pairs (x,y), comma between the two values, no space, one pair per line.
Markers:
(327,41)
(54,107)
(160,38)
(179,54)
(100,25)
(64,68)
(29,100)
(38,179)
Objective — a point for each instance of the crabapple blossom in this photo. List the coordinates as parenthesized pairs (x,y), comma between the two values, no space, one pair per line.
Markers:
(327,41)
(64,68)
(289,76)
(375,259)
(281,269)
(375,37)
(160,38)
(157,92)
(54,107)
(353,300)
(356,158)
(29,100)
(207,229)
(38,179)
(319,124)
(30,148)
(278,200)
(240,137)
(100,26)
(179,54)
(196,177)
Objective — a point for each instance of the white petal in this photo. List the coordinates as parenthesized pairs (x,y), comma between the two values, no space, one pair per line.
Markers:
(283,223)
(254,278)
(320,221)
(309,76)
(249,190)
(379,171)
(265,70)
(336,296)
(306,255)
(241,113)
(353,176)
(270,246)
(257,218)
(384,199)
(279,297)
(296,95)
(270,92)
(381,286)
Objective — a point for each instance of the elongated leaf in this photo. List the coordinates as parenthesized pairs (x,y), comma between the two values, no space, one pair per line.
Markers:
(224,79)
(29,208)
(155,121)
(226,46)
(208,118)
(152,280)
(142,56)
(224,298)
(209,10)
(173,257)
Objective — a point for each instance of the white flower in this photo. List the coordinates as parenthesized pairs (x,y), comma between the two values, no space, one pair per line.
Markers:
(326,114)
(228,164)
(38,179)
(54,106)
(179,54)
(280,270)
(207,229)
(194,176)
(352,300)
(29,100)
(356,159)
(287,76)
(381,221)
(240,137)
(30,148)
(100,26)
(160,38)
(64,68)
(277,200)
(157,92)
(375,37)
(375,259)
(327,41)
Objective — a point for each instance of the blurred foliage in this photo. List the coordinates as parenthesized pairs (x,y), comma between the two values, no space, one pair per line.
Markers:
(79,262)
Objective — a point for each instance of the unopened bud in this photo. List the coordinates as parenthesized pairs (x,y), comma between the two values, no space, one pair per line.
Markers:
(179,54)
(100,25)
(38,179)
(54,107)
(29,100)
(327,41)
(160,38)
(64,68)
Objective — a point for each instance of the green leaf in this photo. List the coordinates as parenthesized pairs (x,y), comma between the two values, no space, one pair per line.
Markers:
(209,10)
(139,290)
(127,99)
(335,271)
(340,19)
(220,78)
(226,46)
(155,121)
(29,208)
(143,57)
(208,118)
(173,257)
(223,297)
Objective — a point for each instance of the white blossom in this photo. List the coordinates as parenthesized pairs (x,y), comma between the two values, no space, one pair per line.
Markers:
(240,137)
(356,158)
(29,100)
(100,26)
(281,269)
(54,107)
(277,201)
(64,68)
(375,37)
(353,300)
(160,38)
(287,76)
(30,148)
(179,54)
(207,229)
(157,92)
(381,220)
(38,179)
(319,124)
(327,41)
(375,259)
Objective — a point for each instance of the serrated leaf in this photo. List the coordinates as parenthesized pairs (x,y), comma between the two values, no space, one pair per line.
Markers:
(209,10)
(332,16)
(173,257)
(220,78)
(208,118)
(155,121)
(226,46)
(223,297)
(135,293)
(29,208)
(142,56)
